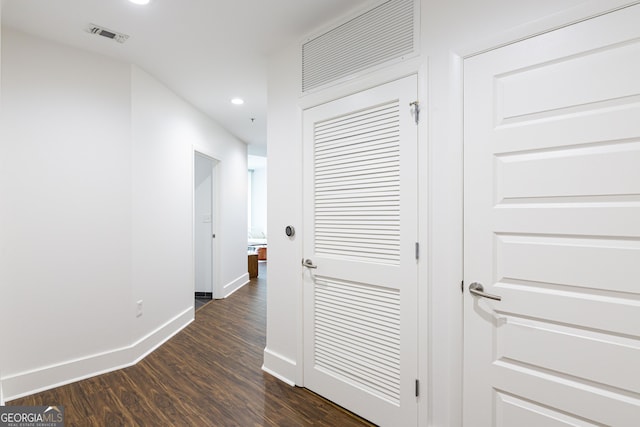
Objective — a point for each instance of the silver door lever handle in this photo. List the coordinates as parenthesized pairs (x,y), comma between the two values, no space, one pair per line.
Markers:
(477,289)
(308,263)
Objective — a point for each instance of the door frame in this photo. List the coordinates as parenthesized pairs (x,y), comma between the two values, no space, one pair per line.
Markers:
(217,291)
(414,66)
(458,55)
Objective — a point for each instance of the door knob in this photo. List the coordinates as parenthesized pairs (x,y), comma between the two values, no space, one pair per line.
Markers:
(477,289)
(308,263)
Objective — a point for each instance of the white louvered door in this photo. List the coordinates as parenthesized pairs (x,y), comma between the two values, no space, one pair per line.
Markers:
(360,230)
(552,225)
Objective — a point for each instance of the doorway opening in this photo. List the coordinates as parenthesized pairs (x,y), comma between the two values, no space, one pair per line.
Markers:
(256,213)
(205,214)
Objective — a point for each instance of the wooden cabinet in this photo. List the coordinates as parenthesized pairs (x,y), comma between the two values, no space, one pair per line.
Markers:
(252,261)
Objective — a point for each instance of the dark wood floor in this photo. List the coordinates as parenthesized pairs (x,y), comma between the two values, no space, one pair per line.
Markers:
(207,375)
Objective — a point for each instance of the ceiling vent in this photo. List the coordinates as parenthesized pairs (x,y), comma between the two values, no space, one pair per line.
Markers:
(101,31)
(380,36)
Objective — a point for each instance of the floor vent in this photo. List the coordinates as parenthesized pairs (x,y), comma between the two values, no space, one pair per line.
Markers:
(378,36)
(101,31)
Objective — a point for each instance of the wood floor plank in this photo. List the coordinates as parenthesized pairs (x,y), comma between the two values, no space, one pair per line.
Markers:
(207,375)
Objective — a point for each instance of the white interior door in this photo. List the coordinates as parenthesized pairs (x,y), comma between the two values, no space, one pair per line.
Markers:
(360,230)
(552,225)
(204,225)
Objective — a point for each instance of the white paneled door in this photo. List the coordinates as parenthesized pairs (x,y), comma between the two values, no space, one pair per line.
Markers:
(360,273)
(552,226)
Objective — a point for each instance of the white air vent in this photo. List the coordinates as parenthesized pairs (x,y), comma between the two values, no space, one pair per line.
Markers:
(379,36)
(101,31)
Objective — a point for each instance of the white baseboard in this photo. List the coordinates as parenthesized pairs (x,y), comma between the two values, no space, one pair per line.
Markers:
(279,366)
(234,285)
(35,381)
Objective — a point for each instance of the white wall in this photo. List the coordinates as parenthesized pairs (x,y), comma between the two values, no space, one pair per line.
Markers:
(65,181)
(449,30)
(166,130)
(96,175)
(284,207)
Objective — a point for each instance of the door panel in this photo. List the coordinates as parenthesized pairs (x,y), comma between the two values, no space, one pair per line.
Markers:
(203,223)
(552,201)
(360,294)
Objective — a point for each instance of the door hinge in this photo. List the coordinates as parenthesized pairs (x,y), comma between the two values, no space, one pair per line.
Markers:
(417,388)
(462,286)
(416,110)
(417,250)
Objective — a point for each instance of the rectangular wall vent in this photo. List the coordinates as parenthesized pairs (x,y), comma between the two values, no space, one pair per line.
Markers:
(101,31)
(380,35)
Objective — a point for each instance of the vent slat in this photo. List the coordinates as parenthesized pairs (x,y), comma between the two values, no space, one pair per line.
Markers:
(378,36)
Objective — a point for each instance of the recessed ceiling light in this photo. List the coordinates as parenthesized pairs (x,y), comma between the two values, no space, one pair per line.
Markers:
(140,1)
(237,101)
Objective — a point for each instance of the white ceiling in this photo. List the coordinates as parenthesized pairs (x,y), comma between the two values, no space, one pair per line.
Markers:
(207,51)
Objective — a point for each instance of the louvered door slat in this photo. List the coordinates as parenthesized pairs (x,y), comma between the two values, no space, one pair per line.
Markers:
(371,115)
(345,121)
(377,195)
(372,126)
(365,159)
(341,344)
(345,148)
(369,140)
